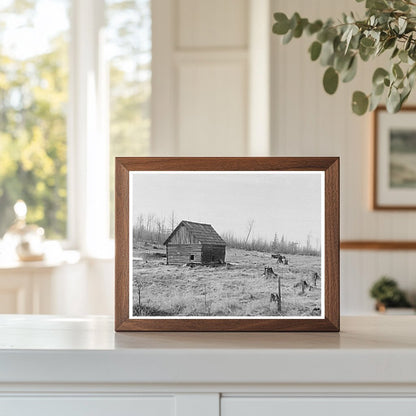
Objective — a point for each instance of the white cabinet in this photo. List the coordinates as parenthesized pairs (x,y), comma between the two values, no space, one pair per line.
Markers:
(269,406)
(51,365)
(88,406)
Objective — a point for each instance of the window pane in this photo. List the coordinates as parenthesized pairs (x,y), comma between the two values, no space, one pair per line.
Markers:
(129,46)
(33,100)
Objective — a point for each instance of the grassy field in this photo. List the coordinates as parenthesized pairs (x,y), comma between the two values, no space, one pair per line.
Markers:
(236,289)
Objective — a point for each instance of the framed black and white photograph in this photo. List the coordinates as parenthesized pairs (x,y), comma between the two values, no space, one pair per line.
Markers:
(394,159)
(227,244)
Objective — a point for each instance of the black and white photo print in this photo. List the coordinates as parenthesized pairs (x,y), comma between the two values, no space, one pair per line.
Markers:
(227,244)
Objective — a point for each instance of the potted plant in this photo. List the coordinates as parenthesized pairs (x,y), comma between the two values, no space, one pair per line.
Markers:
(389,27)
(387,294)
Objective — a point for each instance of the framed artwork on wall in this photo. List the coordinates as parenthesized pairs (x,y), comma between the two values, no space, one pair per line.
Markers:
(394,177)
(227,244)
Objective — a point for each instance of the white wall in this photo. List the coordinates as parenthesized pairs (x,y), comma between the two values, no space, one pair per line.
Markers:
(211,92)
(201,82)
(308,122)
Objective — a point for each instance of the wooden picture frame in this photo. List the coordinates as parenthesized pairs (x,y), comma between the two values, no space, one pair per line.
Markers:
(130,168)
(394,184)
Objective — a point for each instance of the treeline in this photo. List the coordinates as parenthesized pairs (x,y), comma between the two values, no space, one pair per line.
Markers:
(152,229)
(281,245)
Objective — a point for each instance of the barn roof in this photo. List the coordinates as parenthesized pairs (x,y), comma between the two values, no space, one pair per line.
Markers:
(204,233)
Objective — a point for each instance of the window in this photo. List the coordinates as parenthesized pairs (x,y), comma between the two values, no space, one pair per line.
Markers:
(33,102)
(129,43)
(75,87)
(192,257)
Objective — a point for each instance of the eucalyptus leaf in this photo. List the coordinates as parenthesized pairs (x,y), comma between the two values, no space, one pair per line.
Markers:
(288,37)
(376,4)
(315,50)
(408,42)
(281,27)
(378,89)
(404,96)
(389,43)
(374,102)
(402,22)
(330,80)
(395,52)
(403,56)
(359,103)
(367,42)
(397,71)
(350,73)
(379,75)
(393,101)
(314,27)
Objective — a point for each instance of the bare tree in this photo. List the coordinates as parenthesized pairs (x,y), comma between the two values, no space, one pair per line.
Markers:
(250,225)
(172,221)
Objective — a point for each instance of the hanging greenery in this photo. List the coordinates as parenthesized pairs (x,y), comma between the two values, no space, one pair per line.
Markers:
(389,27)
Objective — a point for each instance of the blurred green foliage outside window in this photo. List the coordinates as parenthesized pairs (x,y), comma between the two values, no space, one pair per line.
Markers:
(34,90)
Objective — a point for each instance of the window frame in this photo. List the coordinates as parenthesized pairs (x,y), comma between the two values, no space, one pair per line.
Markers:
(87,133)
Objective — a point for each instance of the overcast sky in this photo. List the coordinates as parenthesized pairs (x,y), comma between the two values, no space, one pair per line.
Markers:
(286,203)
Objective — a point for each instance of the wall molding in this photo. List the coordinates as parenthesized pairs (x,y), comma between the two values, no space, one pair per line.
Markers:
(377,245)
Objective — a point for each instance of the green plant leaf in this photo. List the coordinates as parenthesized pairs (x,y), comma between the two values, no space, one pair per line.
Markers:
(403,56)
(298,30)
(315,50)
(378,89)
(374,102)
(379,75)
(288,37)
(330,80)
(397,71)
(281,27)
(367,42)
(395,52)
(389,43)
(402,22)
(376,4)
(351,71)
(393,101)
(408,42)
(359,103)
(314,27)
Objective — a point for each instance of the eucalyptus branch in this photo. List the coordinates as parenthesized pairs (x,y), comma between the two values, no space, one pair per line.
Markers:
(389,25)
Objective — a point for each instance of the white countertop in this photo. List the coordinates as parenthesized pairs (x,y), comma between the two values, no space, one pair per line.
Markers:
(52,349)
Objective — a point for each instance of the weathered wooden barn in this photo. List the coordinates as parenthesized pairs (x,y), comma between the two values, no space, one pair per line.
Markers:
(193,242)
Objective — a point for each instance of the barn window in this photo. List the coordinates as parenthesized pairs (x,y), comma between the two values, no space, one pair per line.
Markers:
(192,257)
(212,258)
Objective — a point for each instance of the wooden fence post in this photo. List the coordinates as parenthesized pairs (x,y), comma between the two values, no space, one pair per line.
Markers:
(279,302)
